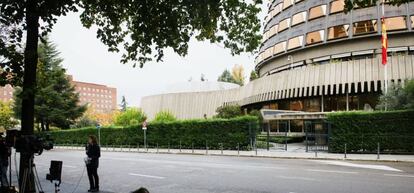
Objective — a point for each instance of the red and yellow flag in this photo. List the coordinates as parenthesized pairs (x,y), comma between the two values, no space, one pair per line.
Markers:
(384,41)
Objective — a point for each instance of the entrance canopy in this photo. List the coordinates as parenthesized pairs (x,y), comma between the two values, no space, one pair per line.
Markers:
(270,115)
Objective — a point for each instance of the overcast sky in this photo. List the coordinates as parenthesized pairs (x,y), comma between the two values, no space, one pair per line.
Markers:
(88,60)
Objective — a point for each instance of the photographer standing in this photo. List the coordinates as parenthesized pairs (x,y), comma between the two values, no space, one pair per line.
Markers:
(93,151)
(5,152)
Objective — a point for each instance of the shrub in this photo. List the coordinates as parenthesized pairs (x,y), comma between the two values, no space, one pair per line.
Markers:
(198,132)
(397,97)
(361,131)
(132,116)
(164,116)
(227,112)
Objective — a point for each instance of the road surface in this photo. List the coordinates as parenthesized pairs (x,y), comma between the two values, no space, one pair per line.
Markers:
(169,173)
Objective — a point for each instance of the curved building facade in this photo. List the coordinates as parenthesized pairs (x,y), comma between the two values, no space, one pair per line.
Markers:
(315,57)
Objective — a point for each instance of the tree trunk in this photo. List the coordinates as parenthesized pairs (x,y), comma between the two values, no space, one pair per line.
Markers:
(29,82)
(47,126)
(42,125)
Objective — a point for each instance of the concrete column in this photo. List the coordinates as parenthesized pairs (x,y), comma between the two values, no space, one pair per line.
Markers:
(347,100)
(322,110)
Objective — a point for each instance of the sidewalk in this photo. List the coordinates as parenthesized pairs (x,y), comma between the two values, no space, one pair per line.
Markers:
(262,153)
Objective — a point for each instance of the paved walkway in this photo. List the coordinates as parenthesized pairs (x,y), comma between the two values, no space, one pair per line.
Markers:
(264,153)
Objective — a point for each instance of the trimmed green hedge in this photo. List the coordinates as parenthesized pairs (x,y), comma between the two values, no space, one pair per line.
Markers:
(229,132)
(362,131)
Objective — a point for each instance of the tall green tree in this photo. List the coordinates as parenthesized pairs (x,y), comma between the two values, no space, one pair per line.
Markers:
(143,29)
(253,75)
(226,77)
(56,101)
(398,97)
(229,111)
(6,116)
(124,104)
(132,116)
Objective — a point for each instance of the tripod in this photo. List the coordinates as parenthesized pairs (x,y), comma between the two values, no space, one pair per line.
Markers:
(33,171)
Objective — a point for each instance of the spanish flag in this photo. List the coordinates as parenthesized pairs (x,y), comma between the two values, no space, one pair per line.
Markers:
(384,41)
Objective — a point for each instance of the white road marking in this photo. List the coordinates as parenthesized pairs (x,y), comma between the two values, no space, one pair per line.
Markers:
(331,171)
(146,176)
(69,166)
(296,178)
(397,175)
(367,166)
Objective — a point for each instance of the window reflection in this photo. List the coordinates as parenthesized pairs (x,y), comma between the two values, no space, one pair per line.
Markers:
(298,18)
(295,42)
(284,24)
(339,31)
(316,12)
(287,3)
(315,37)
(337,6)
(395,23)
(280,47)
(364,27)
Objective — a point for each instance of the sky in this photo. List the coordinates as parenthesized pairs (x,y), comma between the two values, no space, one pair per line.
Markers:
(88,60)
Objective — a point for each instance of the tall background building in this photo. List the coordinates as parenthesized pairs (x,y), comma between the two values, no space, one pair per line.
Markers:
(313,57)
(101,98)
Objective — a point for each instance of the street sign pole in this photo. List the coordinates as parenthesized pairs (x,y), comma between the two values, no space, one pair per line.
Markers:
(144,127)
(99,133)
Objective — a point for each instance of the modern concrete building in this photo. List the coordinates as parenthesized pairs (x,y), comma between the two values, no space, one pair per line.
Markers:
(316,58)
(101,97)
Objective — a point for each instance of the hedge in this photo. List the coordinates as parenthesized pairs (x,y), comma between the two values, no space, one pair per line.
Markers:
(214,132)
(362,131)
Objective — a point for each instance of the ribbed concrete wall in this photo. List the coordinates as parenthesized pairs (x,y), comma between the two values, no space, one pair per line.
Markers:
(310,80)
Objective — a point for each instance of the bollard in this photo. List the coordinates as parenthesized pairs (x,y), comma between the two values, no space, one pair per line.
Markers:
(316,150)
(378,151)
(192,148)
(206,148)
(121,148)
(255,148)
(157,148)
(238,149)
(180,146)
(129,148)
(168,147)
(221,148)
(345,152)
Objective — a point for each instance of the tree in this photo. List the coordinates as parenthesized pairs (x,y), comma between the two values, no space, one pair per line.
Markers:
(164,116)
(226,77)
(131,116)
(6,116)
(56,101)
(237,72)
(203,78)
(227,112)
(140,27)
(253,75)
(397,97)
(123,104)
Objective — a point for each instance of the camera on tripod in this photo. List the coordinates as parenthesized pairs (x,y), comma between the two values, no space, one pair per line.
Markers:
(28,143)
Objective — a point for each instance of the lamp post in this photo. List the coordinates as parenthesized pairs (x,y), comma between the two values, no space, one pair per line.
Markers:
(98,127)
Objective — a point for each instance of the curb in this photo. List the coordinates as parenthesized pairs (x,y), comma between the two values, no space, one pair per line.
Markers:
(258,156)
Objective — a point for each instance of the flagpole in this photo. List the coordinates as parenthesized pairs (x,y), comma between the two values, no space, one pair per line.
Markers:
(385,65)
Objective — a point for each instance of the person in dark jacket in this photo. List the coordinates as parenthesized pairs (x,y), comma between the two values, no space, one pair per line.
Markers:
(93,151)
(4,161)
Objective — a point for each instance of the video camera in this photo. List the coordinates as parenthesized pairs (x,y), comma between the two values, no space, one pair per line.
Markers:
(28,143)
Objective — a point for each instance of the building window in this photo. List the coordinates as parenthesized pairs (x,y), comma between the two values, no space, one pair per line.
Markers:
(287,3)
(412,21)
(268,52)
(280,47)
(337,6)
(298,18)
(295,42)
(316,12)
(284,24)
(315,37)
(365,27)
(339,31)
(395,23)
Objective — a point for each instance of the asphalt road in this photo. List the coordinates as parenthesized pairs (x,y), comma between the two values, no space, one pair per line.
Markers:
(167,173)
